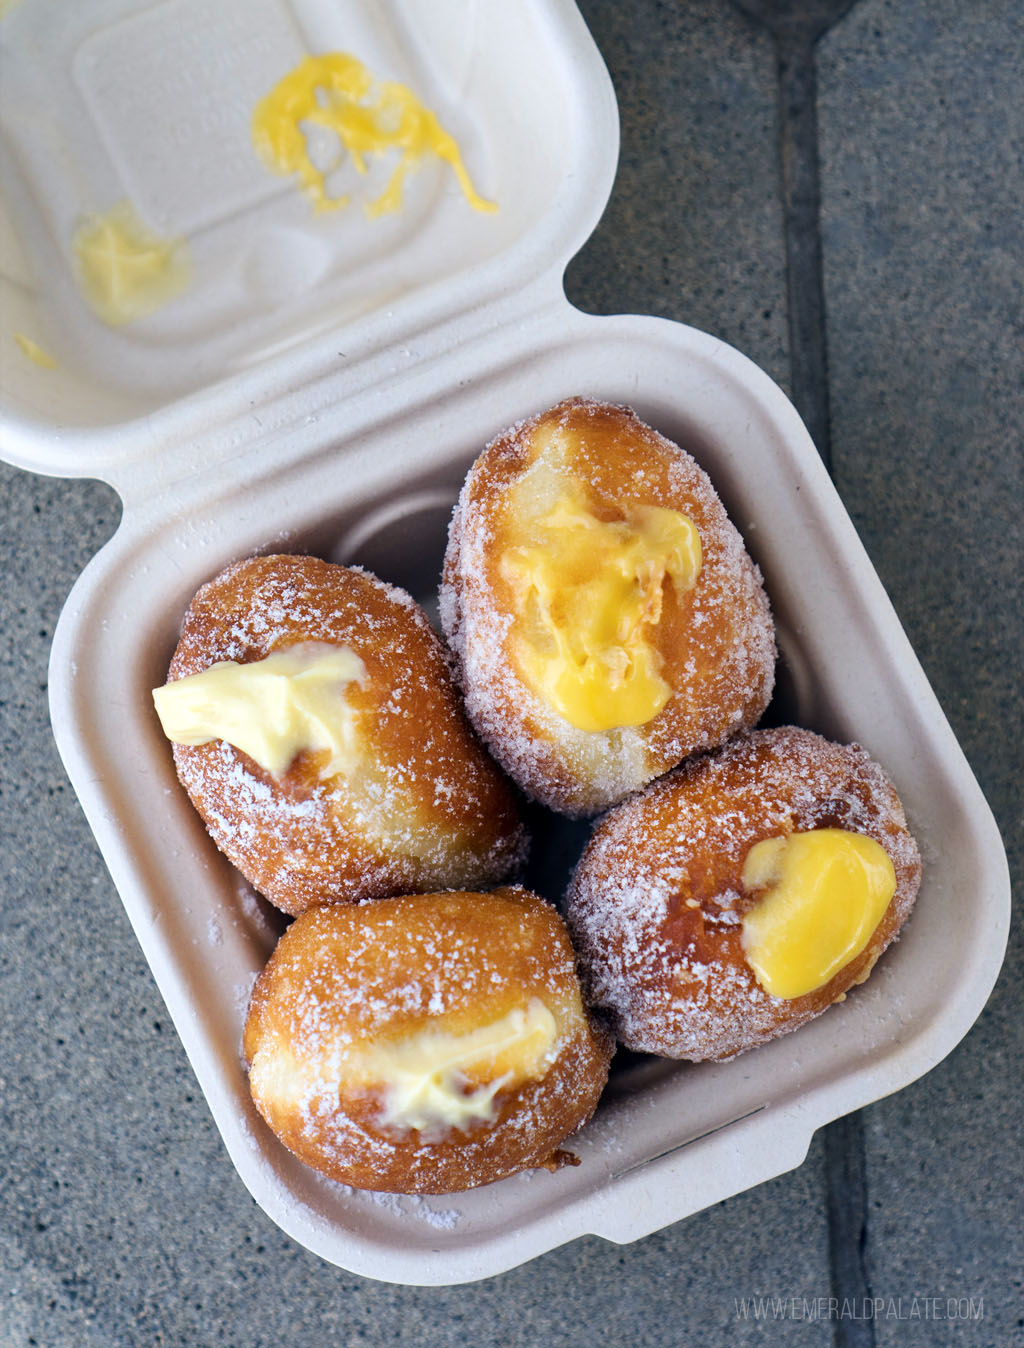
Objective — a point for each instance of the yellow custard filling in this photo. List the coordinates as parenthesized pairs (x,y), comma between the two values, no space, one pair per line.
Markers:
(271,709)
(589,596)
(824,893)
(337,92)
(126,270)
(436,1080)
(431,1080)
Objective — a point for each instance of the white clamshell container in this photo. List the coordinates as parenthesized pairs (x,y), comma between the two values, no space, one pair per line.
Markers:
(322,386)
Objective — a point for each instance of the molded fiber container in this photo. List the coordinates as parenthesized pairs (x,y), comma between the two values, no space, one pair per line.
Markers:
(322,386)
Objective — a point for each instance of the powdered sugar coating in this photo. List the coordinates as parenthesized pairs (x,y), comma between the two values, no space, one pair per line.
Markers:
(718,648)
(344,978)
(656,903)
(426,809)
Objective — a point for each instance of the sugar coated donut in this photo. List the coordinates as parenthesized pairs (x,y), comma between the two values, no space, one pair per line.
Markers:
(319,734)
(425,1044)
(742,895)
(605,616)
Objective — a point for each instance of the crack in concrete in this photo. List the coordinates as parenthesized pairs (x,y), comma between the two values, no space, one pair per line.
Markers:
(797,26)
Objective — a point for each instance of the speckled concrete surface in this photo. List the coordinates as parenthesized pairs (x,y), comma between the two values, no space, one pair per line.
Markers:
(924,284)
(121,1219)
(693,230)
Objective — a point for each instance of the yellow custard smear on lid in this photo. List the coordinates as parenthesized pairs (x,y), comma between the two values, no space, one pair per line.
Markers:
(34,352)
(124,268)
(336,92)
(824,893)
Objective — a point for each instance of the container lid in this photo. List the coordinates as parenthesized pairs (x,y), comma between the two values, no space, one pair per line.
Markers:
(125,117)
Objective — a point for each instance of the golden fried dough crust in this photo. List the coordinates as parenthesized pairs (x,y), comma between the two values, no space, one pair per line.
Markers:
(345,977)
(716,640)
(427,808)
(656,901)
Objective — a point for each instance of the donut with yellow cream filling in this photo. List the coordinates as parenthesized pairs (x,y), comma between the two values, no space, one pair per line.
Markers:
(320,736)
(605,616)
(425,1044)
(743,894)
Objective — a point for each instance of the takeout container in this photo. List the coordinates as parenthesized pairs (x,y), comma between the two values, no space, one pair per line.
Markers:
(326,392)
